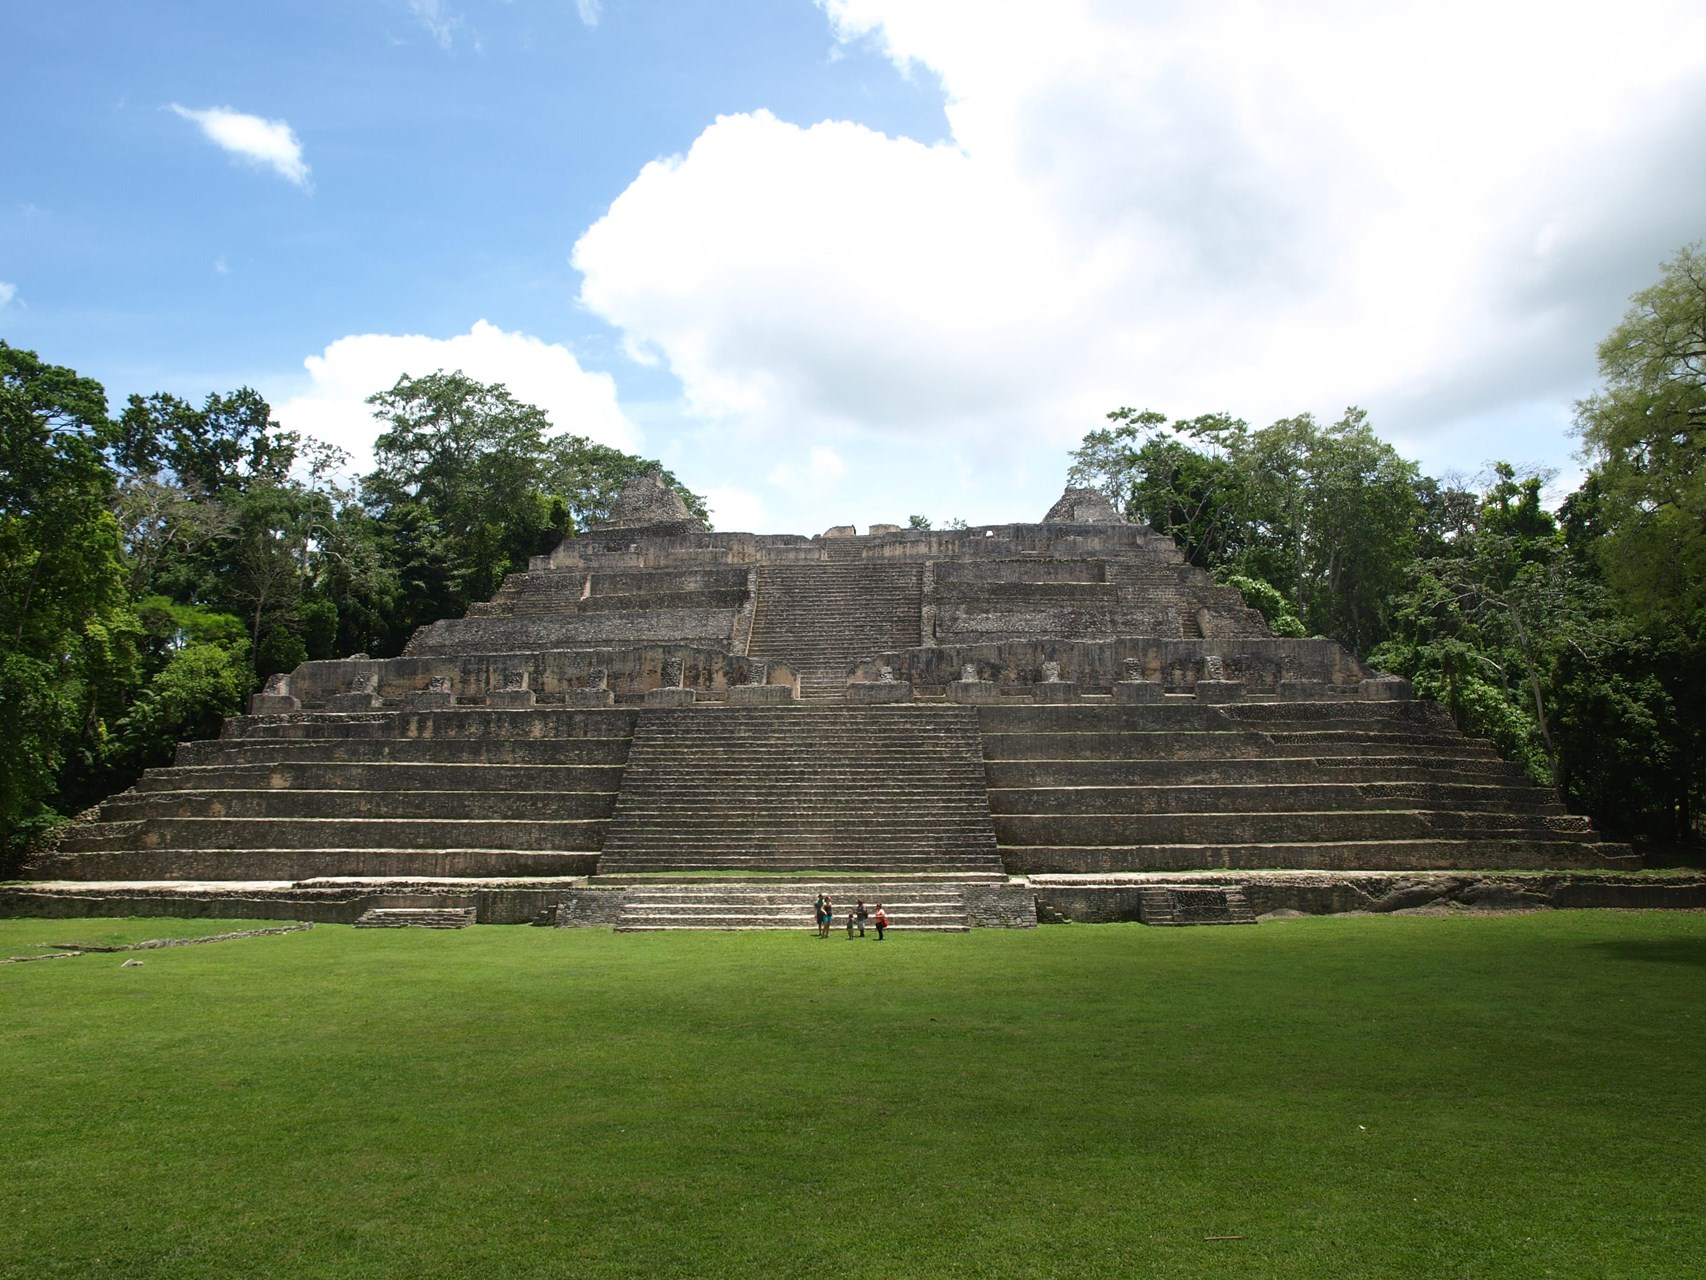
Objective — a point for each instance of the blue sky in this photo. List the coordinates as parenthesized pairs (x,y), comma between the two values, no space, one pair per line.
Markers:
(845,261)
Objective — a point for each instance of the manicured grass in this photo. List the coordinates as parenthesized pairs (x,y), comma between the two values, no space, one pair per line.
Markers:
(1464,1097)
(34,937)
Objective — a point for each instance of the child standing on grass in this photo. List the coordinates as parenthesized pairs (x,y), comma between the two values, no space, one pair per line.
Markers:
(849,926)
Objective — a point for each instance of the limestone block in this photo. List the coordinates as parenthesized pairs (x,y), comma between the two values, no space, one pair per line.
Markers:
(431,700)
(1218,691)
(1303,690)
(670,696)
(880,691)
(1131,691)
(841,531)
(511,699)
(591,698)
(760,695)
(1388,689)
(261,704)
(1055,691)
(354,702)
(974,691)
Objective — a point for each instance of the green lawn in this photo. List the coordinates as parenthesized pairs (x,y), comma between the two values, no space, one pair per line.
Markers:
(37,937)
(1360,1097)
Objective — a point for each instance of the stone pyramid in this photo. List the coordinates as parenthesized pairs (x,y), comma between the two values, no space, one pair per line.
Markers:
(904,710)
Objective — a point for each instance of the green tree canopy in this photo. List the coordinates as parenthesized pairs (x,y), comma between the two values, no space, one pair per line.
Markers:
(65,627)
(1326,516)
(1645,433)
(470,482)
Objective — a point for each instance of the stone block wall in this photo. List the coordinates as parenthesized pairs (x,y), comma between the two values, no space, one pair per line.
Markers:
(1260,663)
(551,674)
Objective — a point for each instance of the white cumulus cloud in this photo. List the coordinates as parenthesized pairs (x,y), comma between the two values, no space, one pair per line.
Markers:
(270,143)
(819,471)
(333,405)
(590,11)
(1431,209)
(7,293)
(735,509)
(437,17)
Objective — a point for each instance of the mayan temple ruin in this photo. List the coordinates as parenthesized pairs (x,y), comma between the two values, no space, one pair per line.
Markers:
(975,726)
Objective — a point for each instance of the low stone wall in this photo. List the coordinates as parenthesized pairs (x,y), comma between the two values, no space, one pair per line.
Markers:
(1090,901)
(552,674)
(322,905)
(1001,906)
(1260,662)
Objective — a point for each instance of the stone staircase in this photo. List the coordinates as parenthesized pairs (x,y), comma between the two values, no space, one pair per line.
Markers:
(879,789)
(400,794)
(917,907)
(1183,786)
(1194,904)
(416,918)
(821,617)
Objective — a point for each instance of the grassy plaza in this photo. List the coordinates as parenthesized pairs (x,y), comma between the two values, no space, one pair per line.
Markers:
(1497,1096)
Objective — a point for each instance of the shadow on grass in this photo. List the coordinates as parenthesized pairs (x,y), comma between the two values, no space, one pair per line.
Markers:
(1656,951)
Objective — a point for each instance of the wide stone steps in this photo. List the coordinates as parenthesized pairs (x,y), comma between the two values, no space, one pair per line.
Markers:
(1209,745)
(461,722)
(867,862)
(1149,745)
(348,833)
(1175,715)
(423,805)
(496,751)
(415,918)
(1388,786)
(1194,904)
(1261,828)
(312,863)
(737,907)
(1252,771)
(1267,798)
(1438,854)
(384,776)
(823,617)
(853,788)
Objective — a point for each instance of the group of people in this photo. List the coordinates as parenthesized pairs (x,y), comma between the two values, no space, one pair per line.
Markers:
(857,918)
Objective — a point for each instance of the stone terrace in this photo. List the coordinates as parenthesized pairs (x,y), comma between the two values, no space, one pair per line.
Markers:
(625,721)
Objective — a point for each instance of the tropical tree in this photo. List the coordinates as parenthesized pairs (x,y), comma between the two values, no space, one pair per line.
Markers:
(1325,516)
(65,626)
(1644,432)
(470,482)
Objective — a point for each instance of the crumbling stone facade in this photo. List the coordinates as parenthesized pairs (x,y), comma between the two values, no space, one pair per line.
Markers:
(1052,699)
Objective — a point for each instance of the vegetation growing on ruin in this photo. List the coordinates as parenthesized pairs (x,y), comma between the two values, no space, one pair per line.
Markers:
(157,564)
(1571,639)
(1320,1097)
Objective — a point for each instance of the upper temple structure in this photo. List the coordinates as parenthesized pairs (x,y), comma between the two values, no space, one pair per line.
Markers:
(958,720)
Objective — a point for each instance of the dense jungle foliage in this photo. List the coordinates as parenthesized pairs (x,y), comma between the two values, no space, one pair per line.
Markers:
(1573,639)
(156,565)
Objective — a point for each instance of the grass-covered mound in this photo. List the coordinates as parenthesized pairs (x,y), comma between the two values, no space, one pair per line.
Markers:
(1494,1097)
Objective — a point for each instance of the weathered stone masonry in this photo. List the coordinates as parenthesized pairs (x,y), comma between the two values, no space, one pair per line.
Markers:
(1059,699)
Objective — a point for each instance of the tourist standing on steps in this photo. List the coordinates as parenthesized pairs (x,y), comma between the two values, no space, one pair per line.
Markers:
(881,920)
(861,915)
